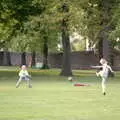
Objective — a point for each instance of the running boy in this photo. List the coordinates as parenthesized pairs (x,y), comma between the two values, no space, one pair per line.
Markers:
(24,75)
(103,73)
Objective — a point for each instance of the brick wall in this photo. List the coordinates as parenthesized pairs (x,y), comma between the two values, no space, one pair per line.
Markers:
(79,60)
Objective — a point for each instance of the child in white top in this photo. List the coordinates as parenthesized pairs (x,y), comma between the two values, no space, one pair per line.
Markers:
(103,73)
(23,75)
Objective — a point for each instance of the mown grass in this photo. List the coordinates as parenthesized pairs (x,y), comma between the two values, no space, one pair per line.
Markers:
(53,97)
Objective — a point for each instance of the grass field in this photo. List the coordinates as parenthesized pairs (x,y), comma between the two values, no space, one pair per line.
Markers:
(55,98)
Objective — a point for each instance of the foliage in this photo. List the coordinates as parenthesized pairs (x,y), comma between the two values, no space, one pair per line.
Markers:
(13,14)
(114,34)
(85,17)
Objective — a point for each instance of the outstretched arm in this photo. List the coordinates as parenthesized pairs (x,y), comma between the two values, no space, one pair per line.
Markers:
(110,69)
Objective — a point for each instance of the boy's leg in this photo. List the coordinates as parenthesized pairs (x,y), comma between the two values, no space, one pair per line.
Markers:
(97,73)
(103,85)
(100,73)
(29,83)
(18,82)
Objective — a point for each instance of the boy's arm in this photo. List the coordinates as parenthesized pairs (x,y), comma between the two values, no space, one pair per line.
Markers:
(110,69)
(20,73)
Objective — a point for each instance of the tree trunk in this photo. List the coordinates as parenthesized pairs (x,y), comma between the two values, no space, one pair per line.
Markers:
(106,50)
(104,46)
(33,59)
(111,56)
(100,48)
(66,63)
(23,58)
(45,54)
(1,58)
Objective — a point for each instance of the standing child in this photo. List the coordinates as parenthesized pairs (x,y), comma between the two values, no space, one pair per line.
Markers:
(103,73)
(24,75)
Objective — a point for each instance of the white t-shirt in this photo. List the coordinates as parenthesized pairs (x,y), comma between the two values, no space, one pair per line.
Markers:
(105,70)
(23,73)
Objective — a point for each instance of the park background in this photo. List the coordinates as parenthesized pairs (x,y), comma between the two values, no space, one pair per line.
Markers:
(53,30)
(63,35)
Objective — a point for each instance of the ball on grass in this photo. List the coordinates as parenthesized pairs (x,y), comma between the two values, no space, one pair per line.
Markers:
(70,79)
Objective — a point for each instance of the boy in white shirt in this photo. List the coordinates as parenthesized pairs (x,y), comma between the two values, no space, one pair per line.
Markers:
(103,73)
(23,75)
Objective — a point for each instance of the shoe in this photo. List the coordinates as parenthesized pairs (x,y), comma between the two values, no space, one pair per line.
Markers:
(104,93)
(30,86)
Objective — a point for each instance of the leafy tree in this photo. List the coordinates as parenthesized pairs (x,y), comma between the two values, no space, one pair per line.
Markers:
(114,34)
(99,24)
(13,15)
(69,15)
(106,22)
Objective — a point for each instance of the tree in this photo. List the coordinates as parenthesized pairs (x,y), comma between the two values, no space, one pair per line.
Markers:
(68,20)
(7,30)
(99,24)
(66,68)
(107,25)
(41,32)
(38,24)
(33,62)
(115,32)
(13,15)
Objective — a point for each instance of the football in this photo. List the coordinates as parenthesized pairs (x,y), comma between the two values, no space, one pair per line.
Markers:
(70,79)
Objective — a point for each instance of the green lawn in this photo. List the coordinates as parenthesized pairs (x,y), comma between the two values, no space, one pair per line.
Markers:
(55,98)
